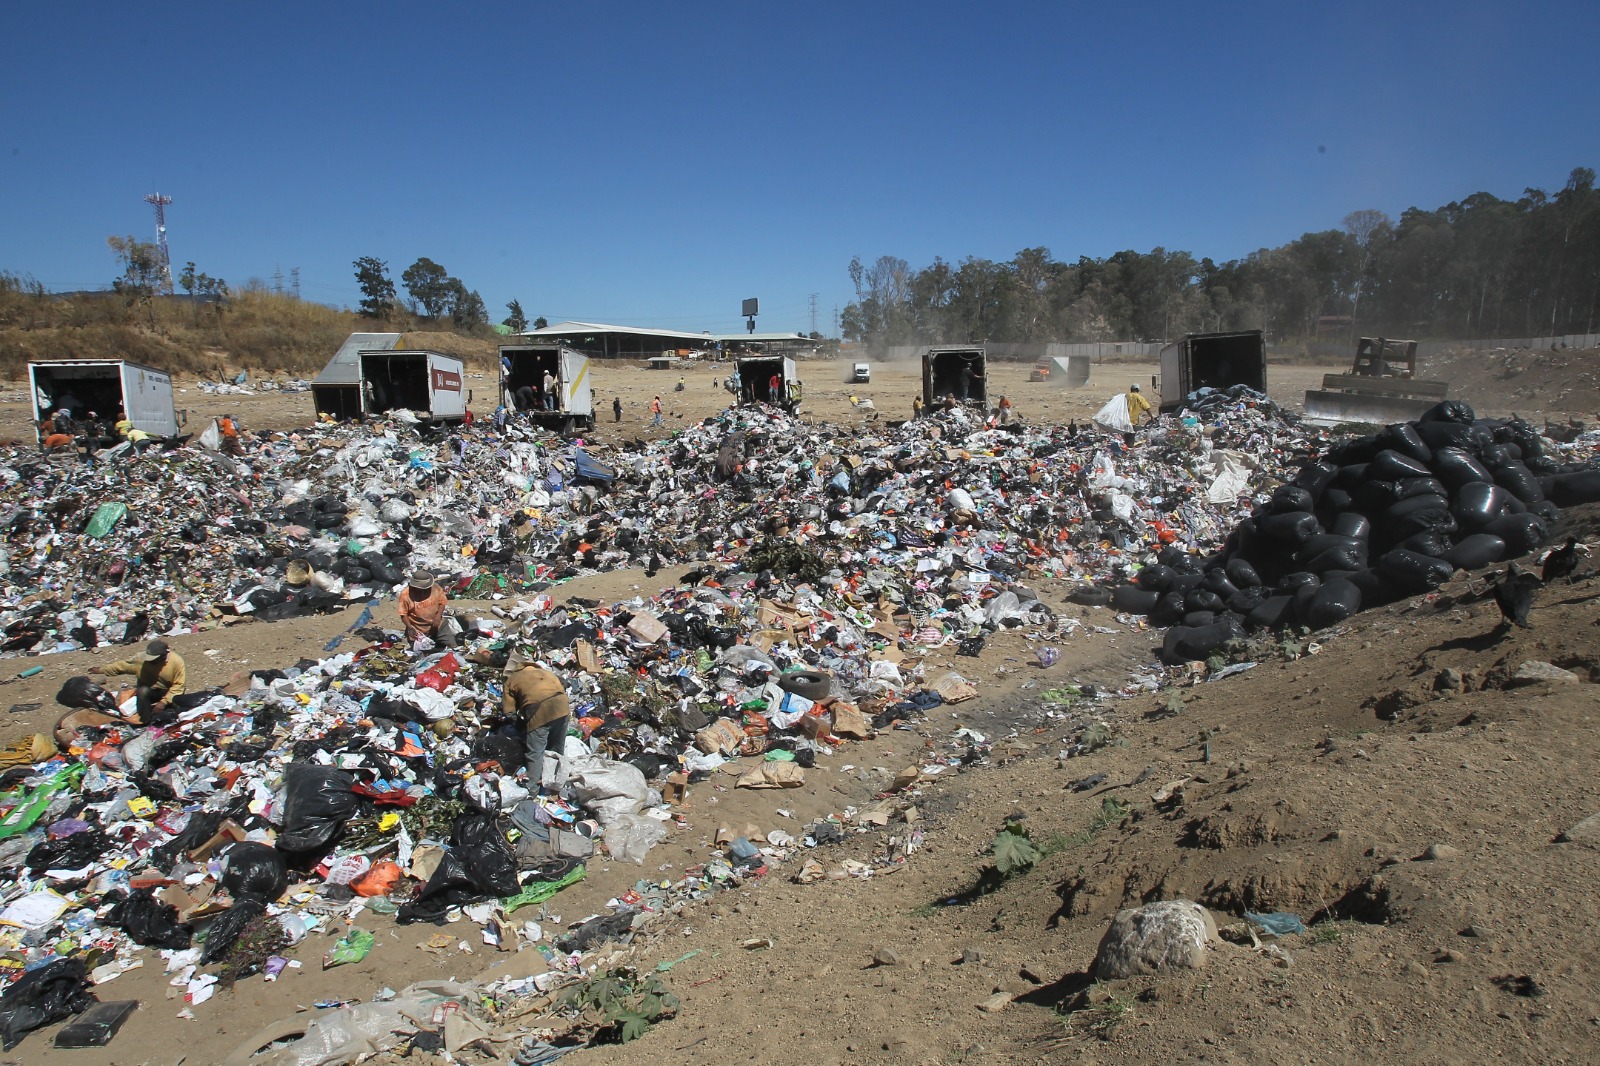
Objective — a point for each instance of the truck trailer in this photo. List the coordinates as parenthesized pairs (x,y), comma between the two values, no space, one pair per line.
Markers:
(956,372)
(105,386)
(525,365)
(756,384)
(430,385)
(1212,360)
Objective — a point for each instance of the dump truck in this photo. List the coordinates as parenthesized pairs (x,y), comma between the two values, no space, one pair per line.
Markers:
(959,373)
(756,374)
(1214,361)
(1381,387)
(861,374)
(105,386)
(431,385)
(526,364)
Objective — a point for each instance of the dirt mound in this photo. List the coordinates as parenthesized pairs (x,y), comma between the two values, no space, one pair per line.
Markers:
(1555,384)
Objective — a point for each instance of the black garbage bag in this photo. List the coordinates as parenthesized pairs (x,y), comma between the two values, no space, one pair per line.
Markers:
(1520,433)
(1402,437)
(1185,643)
(1241,573)
(1156,578)
(1203,600)
(1315,478)
(1351,475)
(479,863)
(1333,603)
(42,997)
(1322,542)
(1429,542)
(1569,490)
(1419,520)
(1291,498)
(1351,556)
(68,853)
(317,802)
(1412,573)
(1195,619)
(970,646)
(252,870)
(1478,504)
(1449,411)
(1271,613)
(1515,477)
(1134,600)
(1521,532)
(149,922)
(1216,580)
(1181,561)
(1353,524)
(1374,497)
(1496,455)
(1445,435)
(1246,600)
(1390,465)
(1476,550)
(227,926)
(1456,468)
(1354,450)
(82,692)
(1414,504)
(1168,609)
(1291,527)
(1408,487)
(1289,584)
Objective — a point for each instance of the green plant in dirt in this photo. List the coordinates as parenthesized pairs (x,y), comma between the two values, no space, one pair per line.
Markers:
(1324,933)
(620,1004)
(1104,1018)
(1014,851)
(1097,736)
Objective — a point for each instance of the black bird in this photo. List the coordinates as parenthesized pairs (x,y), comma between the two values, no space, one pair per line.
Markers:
(652,565)
(1561,562)
(1514,595)
(138,626)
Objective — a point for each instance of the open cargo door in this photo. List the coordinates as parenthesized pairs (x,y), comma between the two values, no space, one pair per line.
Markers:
(577,397)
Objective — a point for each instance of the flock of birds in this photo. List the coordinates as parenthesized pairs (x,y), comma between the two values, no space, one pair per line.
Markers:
(1513,593)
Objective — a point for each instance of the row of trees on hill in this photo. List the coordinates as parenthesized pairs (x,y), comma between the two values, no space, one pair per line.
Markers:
(1479,267)
(433,292)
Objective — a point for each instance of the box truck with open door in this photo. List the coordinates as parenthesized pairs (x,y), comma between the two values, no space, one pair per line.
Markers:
(525,365)
(1212,360)
(957,372)
(105,386)
(431,385)
(769,379)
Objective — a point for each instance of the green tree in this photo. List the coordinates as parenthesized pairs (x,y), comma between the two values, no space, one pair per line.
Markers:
(377,290)
(516,320)
(142,272)
(541,322)
(430,287)
(467,308)
(208,289)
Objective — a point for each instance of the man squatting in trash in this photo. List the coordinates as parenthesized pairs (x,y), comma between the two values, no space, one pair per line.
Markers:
(537,696)
(159,676)
(423,606)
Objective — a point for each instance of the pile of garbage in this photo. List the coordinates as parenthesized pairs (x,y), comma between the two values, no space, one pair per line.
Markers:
(165,542)
(1370,521)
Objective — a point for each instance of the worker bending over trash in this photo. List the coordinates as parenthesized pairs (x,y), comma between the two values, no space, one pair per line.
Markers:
(537,696)
(159,676)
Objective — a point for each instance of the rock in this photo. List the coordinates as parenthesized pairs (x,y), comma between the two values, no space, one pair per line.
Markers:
(885,957)
(1535,671)
(1441,852)
(1449,680)
(1479,932)
(1586,832)
(971,957)
(1169,935)
(996,1003)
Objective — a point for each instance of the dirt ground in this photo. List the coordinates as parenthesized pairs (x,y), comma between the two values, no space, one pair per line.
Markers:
(1317,784)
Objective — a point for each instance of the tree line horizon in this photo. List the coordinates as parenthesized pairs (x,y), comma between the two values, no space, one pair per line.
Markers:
(1477,267)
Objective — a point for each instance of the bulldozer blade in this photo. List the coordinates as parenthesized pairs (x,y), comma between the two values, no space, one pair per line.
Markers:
(1330,408)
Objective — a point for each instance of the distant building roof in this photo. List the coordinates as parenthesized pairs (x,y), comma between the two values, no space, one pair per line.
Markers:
(345,366)
(764,338)
(563,329)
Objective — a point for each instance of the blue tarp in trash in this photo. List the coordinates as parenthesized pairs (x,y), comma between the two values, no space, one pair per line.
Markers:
(592,469)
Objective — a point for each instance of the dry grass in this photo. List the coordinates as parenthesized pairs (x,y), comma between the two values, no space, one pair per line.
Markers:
(263,332)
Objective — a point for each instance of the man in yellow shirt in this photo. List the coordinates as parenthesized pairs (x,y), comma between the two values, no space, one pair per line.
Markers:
(158,674)
(539,698)
(1137,404)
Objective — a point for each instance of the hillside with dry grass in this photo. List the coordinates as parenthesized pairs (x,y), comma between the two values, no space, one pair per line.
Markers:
(262,332)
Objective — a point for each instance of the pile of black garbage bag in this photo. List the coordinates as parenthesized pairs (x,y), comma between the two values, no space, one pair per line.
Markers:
(1374,520)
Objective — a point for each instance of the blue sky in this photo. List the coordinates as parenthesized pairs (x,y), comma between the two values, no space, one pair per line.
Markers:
(654,164)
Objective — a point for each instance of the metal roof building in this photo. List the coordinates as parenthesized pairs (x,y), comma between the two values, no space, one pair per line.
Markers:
(337,390)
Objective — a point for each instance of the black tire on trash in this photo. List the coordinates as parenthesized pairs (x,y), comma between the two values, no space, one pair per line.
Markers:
(812,684)
(1090,596)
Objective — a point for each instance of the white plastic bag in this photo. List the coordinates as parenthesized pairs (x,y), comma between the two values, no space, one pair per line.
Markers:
(1114,415)
(629,837)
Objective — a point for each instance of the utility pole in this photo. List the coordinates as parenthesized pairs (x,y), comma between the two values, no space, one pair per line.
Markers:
(835,320)
(160,203)
(814,311)
(294,281)
(277,279)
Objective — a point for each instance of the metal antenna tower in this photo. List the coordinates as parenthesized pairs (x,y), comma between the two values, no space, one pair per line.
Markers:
(160,202)
(814,311)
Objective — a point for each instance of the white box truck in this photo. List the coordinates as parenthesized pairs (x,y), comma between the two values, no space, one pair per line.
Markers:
(105,386)
(769,379)
(523,366)
(430,385)
(1212,360)
(861,374)
(958,372)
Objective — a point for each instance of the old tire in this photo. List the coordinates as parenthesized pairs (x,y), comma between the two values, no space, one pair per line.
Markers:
(812,684)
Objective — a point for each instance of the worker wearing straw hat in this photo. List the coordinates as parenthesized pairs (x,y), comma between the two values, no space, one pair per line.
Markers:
(423,608)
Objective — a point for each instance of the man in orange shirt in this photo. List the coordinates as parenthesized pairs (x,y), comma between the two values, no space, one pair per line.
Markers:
(655,409)
(423,608)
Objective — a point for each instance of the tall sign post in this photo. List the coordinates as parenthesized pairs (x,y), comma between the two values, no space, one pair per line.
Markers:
(752,308)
